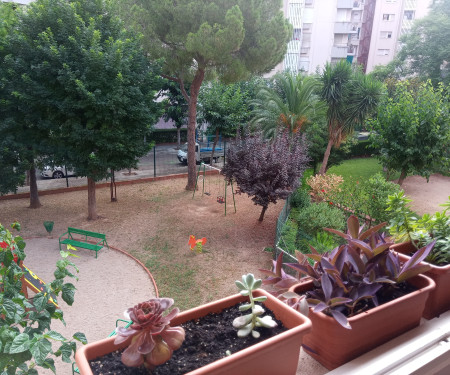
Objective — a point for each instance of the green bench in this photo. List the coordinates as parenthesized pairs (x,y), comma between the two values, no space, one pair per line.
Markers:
(82,242)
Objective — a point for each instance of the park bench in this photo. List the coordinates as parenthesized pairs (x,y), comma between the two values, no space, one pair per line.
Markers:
(82,242)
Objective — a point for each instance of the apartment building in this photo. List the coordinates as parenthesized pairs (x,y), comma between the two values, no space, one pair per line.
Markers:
(361,31)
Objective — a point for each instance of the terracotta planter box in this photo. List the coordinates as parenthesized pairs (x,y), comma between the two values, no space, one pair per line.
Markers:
(439,300)
(281,351)
(334,345)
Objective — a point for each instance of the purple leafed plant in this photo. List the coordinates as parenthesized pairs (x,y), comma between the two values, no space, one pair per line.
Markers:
(350,278)
(153,339)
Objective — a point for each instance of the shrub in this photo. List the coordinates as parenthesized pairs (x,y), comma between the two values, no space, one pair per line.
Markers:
(288,238)
(362,148)
(300,199)
(324,185)
(320,215)
(377,191)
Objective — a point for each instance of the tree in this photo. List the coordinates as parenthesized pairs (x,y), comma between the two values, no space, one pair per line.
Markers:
(425,50)
(176,108)
(223,38)
(224,108)
(289,103)
(412,131)
(267,170)
(350,96)
(84,85)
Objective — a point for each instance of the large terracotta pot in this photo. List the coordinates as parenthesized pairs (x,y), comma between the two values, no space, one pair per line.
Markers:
(277,355)
(333,345)
(439,300)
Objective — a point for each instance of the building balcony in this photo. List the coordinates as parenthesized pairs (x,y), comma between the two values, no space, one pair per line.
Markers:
(345,4)
(345,28)
(339,52)
(358,5)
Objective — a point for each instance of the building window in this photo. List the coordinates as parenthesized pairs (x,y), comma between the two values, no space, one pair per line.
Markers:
(388,17)
(307,27)
(386,34)
(391,1)
(297,34)
(408,15)
(382,52)
(309,3)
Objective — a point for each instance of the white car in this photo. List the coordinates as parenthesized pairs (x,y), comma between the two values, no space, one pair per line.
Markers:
(56,172)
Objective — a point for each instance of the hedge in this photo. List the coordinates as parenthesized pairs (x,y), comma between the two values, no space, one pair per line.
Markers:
(362,148)
(167,135)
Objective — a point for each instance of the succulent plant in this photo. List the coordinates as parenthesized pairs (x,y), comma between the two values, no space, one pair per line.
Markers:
(350,278)
(153,339)
(247,324)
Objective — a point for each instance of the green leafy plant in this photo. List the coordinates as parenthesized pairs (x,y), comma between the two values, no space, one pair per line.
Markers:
(25,328)
(319,215)
(48,225)
(248,323)
(153,339)
(300,198)
(405,225)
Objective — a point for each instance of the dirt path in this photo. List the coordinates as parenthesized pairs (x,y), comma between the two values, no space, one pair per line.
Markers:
(426,197)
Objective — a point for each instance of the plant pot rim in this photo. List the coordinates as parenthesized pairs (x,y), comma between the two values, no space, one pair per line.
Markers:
(438,269)
(302,324)
(431,285)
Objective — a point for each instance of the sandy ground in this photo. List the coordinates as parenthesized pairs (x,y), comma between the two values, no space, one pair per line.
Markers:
(111,283)
(103,290)
(427,196)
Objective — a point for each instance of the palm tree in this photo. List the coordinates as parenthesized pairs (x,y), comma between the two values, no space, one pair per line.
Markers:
(289,104)
(351,96)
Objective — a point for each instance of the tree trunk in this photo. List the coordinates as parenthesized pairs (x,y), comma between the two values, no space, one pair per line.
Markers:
(92,204)
(214,146)
(261,217)
(195,89)
(113,187)
(323,167)
(34,194)
(179,137)
(402,177)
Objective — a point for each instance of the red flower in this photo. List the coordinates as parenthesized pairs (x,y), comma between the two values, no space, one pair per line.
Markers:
(3,245)
(331,203)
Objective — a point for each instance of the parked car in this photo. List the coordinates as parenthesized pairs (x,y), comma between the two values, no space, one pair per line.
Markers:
(202,153)
(56,172)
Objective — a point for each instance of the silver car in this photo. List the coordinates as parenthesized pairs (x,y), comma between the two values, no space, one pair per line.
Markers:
(56,172)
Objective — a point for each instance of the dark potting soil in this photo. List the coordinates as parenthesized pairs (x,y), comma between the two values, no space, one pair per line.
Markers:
(207,340)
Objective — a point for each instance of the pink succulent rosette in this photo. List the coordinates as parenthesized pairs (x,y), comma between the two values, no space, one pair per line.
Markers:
(153,339)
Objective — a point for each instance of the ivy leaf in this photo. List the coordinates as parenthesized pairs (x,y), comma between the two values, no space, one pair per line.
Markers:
(54,336)
(81,337)
(68,293)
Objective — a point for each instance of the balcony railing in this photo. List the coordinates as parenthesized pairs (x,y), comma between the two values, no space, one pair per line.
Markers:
(339,52)
(345,28)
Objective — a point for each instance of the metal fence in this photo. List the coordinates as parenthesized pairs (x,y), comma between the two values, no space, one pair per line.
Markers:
(279,242)
(162,160)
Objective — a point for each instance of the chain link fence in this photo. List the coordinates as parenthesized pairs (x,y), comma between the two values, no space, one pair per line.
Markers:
(279,241)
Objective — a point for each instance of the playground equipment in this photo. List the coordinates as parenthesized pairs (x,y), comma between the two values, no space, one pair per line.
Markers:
(34,283)
(222,199)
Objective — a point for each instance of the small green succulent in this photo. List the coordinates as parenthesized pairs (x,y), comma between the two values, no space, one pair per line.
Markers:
(248,323)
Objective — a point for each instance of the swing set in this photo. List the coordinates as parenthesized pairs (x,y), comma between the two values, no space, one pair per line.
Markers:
(206,190)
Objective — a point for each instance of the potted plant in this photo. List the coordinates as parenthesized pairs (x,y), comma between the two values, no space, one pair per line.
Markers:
(357,294)
(167,336)
(411,233)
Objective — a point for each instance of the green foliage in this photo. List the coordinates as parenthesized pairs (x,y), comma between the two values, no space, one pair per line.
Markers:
(425,50)
(247,324)
(8,18)
(412,130)
(167,135)
(289,103)
(288,238)
(362,149)
(405,225)
(25,328)
(79,84)
(351,97)
(223,107)
(300,199)
(320,215)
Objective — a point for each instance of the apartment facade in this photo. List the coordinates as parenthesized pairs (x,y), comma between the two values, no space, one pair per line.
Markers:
(360,31)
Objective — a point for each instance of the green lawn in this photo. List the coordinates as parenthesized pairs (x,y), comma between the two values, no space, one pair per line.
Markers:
(359,169)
